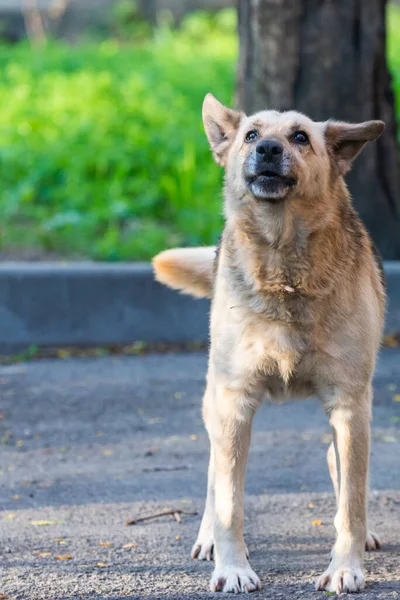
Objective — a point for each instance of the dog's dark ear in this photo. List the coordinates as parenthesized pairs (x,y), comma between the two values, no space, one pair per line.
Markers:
(346,140)
(221,124)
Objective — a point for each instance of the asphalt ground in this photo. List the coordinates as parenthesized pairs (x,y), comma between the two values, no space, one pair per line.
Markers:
(89,444)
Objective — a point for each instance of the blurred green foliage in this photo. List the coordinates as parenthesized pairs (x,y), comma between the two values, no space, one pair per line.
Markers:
(127,23)
(393,49)
(102,150)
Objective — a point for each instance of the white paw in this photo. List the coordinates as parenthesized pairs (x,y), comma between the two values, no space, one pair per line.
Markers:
(235,580)
(372,542)
(203,549)
(341,580)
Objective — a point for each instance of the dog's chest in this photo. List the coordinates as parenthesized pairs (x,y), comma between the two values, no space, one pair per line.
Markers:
(263,347)
(260,336)
(276,293)
(281,349)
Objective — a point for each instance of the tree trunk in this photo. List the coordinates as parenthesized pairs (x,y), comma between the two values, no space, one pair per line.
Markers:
(327,58)
(148,9)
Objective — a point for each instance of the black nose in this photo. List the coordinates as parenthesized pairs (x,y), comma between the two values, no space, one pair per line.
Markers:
(269,149)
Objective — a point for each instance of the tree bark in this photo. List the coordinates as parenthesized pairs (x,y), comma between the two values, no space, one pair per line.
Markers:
(327,58)
(148,8)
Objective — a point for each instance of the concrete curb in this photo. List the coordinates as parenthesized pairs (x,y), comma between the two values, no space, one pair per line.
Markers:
(88,304)
(392,272)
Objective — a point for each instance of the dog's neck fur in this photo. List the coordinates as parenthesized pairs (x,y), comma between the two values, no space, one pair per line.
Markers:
(279,256)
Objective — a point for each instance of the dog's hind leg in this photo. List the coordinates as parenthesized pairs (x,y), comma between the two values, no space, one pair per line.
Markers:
(204,545)
(331,459)
(372,541)
(203,548)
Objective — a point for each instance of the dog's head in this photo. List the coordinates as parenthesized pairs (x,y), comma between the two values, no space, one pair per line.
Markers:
(271,157)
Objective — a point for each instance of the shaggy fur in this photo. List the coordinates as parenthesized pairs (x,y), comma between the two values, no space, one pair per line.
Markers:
(298,306)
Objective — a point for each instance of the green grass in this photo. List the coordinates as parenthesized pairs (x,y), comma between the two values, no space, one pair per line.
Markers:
(102,150)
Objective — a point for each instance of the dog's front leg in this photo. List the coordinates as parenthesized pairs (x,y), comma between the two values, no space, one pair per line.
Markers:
(203,548)
(229,424)
(372,541)
(351,424)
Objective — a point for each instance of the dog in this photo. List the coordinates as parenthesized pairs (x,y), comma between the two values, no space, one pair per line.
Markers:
(298,304)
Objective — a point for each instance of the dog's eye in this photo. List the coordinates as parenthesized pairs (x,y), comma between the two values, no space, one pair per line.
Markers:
(300,137)
(251,136)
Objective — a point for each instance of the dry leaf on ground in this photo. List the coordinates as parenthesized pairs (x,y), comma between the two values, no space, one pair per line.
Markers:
(391,341)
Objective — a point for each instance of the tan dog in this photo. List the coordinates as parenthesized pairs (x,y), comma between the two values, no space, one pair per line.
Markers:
(298,306)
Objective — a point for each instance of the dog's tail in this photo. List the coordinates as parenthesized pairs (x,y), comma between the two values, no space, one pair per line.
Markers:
(187,269)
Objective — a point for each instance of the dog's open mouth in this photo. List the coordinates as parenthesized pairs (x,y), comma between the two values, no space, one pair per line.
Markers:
(269,184)
(270,176)
(268,173)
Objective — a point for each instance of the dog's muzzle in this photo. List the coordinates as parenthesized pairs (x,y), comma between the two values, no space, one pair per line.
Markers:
(266,171)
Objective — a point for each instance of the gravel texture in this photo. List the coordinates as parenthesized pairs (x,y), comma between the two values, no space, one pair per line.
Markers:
(89,444)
